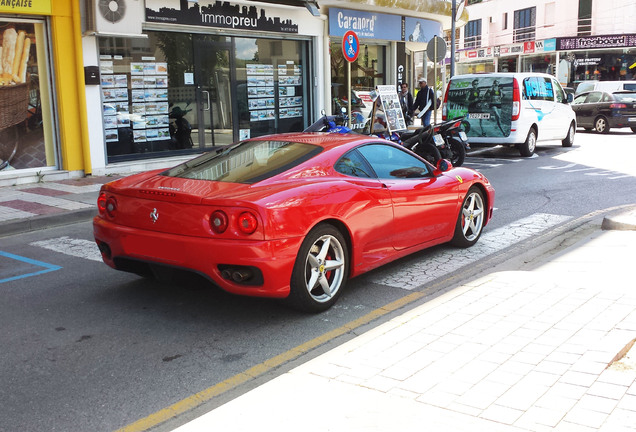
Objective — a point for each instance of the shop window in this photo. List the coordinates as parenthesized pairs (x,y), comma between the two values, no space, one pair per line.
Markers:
(27,132)
(524,24)
(272,86)
(472,34)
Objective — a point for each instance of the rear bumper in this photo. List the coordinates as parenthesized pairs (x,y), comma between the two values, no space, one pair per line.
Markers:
(274,259)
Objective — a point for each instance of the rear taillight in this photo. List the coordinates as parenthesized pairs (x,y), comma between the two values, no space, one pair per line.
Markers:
(617,105)
(101,202)
(111,206)
(444,103)
(218,221)
(516,100)
(247,223)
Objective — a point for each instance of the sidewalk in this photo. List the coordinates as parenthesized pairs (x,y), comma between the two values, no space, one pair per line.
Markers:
(534,350)
(537,348)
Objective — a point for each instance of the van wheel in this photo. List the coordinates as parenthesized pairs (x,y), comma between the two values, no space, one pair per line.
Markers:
(527,148)
(600,125)
(569,139)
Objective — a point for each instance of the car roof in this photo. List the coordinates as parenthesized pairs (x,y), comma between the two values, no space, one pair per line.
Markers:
(323,139)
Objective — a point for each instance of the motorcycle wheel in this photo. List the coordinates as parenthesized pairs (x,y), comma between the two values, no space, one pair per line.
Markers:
(458,152)
(428,152)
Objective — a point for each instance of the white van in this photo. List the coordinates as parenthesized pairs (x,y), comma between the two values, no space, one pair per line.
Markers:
(511,109)
(606,86)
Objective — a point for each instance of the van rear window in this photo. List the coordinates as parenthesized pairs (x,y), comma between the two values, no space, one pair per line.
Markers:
(486,103)
(538,88)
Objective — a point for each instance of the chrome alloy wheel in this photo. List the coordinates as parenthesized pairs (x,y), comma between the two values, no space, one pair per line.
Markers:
(472,216)
(324,268)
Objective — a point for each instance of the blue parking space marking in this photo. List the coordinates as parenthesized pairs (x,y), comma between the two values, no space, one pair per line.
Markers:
(38,264)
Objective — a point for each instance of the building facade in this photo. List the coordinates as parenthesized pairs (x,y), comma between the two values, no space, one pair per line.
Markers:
(575,40)
(130,85)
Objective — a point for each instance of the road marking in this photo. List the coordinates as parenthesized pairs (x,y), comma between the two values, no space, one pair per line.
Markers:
(47,267)
(75,247)
(419,270)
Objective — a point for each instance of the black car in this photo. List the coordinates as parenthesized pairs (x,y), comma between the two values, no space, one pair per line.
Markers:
(601,111)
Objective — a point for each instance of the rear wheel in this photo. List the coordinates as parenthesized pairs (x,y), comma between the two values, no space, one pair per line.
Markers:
(471,219)
(527,148)
(601,125)
(569,139)
(458,152)
(321,270)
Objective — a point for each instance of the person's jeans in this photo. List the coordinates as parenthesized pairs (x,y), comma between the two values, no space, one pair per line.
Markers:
(426,118)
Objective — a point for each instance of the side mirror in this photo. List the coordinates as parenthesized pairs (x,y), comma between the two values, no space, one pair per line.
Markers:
(570,97)
(442,166)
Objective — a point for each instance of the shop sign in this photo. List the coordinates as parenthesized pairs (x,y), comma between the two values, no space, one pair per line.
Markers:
(513,49)
(40,7)
(596,42)
(528,47)
(367,25)
(549,45)
(420,30)
(591,61)
(219,15)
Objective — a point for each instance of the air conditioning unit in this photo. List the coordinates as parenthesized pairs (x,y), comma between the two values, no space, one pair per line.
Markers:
(114,17)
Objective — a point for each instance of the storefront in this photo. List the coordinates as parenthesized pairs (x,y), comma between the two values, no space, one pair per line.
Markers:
(602,58)
(199,76)
(40,128)
(387,47)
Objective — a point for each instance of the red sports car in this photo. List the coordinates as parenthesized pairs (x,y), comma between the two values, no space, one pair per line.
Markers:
(289,216)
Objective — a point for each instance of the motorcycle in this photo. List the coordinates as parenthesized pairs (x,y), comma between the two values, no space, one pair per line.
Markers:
(332,123)
(444,140)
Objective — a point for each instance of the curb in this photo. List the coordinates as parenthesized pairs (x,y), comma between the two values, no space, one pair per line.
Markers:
(47,221)
(625,221)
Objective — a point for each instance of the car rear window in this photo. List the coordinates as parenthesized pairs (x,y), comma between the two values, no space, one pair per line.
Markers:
(246,162)
(625,97)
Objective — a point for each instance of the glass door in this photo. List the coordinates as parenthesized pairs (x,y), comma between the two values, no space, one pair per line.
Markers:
(214,84)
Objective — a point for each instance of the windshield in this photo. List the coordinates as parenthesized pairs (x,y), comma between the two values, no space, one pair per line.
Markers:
(247,162)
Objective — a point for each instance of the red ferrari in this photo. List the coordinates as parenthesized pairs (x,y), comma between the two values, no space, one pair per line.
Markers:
(289,216)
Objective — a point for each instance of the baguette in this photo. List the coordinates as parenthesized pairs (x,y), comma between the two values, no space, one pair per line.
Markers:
(19,46)
(9,39)
(1,68)
(25,60)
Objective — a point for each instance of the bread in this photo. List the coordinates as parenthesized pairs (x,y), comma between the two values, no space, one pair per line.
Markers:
(9,39)
(24,60)
(19,46)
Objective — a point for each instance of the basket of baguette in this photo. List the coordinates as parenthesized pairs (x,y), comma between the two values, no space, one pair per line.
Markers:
(14,85)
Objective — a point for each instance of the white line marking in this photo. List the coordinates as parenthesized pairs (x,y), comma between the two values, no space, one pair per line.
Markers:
(422,269)
(69,246)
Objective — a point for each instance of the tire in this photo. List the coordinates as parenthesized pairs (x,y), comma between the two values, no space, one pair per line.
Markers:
(470,220)
(320,271)
(569,138)
(634,129)
(458,152)
(429,152)
(527,148)
(601,125)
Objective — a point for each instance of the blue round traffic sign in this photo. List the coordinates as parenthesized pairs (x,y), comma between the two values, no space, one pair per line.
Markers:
(350,46)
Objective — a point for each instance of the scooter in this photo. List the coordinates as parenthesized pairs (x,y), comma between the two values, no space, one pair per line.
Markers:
(332,123)
(455,140)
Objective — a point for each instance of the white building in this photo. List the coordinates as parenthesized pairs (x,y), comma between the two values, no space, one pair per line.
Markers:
(575,40)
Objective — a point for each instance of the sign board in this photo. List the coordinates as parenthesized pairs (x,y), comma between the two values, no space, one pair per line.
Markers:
(436,49)
(350,46)
(388,97)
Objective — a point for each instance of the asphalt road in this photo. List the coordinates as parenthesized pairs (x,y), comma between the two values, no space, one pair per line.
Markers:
(87,348)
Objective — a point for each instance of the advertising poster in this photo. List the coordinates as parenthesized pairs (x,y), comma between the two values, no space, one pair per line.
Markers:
(391,107)
(486,102)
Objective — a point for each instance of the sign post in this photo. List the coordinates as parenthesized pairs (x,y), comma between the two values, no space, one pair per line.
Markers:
(350,50)
(435,50)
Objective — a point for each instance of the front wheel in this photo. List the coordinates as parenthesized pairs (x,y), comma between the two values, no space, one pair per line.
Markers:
(458,152)
(527,148)
(569,139)
(320,271)
(601,125)
(470,221)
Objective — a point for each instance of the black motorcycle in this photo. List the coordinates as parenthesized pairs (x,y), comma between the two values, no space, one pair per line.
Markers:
(444,140)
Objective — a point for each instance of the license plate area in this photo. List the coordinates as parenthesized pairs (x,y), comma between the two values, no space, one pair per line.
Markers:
(438,140)
(479,116)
